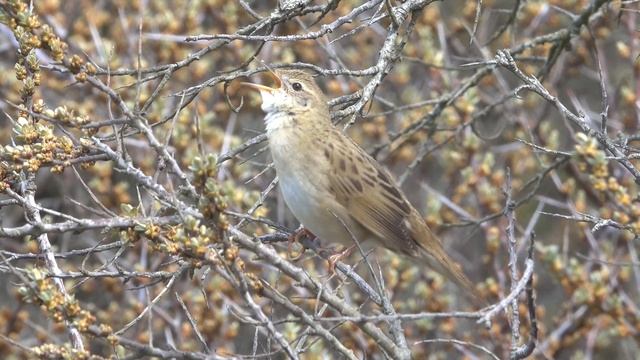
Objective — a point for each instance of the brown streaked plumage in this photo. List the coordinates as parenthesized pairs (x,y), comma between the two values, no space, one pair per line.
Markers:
(329,182)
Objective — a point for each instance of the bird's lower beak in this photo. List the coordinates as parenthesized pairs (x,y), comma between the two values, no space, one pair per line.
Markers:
(276,80)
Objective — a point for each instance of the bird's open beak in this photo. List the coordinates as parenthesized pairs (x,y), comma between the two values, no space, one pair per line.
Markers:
(276,80)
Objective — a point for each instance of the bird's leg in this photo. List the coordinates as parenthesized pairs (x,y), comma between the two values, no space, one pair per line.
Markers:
(333,259)
(295,238)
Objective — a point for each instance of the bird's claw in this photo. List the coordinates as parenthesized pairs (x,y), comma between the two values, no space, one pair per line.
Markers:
(333,259)
(295,238)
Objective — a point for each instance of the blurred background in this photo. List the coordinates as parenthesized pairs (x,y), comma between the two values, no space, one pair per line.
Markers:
(456,127)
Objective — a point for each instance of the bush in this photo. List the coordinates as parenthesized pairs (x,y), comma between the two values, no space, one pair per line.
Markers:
(139,211)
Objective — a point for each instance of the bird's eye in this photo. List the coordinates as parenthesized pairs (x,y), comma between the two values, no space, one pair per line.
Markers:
(296,86)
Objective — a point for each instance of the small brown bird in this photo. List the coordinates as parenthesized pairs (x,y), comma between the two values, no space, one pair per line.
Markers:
(331,184)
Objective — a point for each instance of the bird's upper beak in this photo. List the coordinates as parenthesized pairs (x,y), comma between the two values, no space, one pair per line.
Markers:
(276,80)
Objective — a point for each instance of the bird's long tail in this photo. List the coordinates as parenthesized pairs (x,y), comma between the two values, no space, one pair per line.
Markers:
(439,261)
(431,251)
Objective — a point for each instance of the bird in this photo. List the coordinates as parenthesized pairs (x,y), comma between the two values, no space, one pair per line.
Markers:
(337,191)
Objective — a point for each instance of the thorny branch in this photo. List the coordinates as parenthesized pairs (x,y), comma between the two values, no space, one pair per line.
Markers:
(176,224)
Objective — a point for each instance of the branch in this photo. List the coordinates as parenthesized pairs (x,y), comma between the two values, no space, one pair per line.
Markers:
(33,214)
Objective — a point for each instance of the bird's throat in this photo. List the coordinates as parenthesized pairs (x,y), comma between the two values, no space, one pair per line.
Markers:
(279,120)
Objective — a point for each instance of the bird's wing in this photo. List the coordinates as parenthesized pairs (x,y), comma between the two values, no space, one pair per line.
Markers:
(374,200)
(370,194)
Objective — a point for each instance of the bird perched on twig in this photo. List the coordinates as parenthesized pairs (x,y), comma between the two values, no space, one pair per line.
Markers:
(333,187)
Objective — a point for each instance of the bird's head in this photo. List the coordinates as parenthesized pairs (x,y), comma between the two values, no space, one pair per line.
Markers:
(294,91)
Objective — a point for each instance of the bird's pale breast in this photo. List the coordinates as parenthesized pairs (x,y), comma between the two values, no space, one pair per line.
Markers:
(304,188)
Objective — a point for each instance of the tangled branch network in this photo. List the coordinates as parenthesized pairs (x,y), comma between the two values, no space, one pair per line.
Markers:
(139,215)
